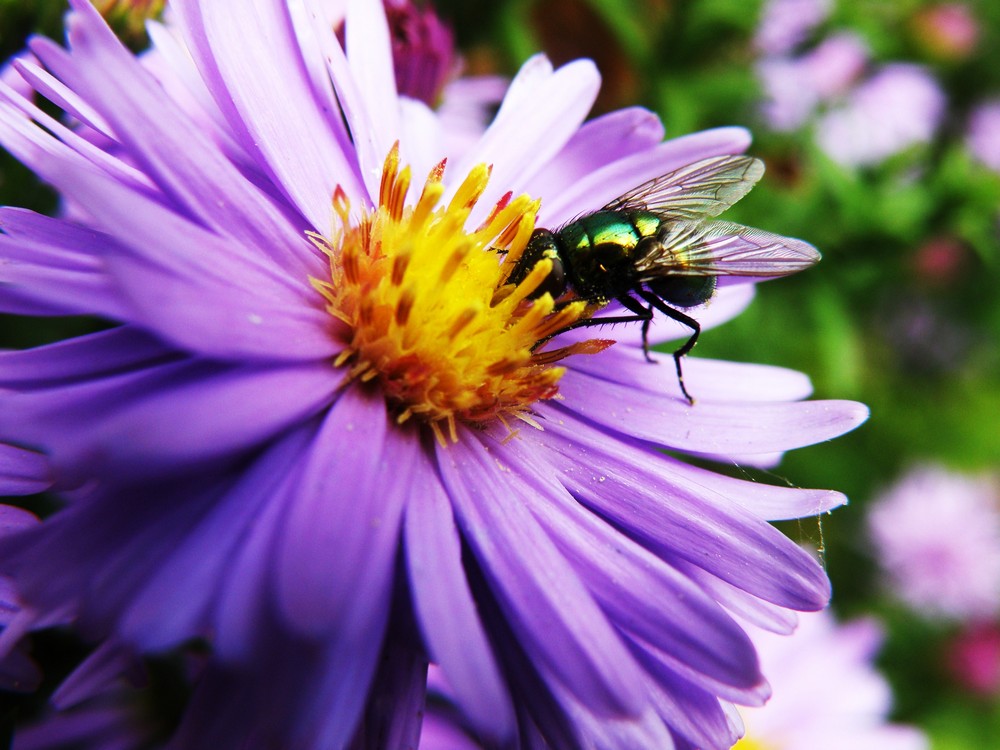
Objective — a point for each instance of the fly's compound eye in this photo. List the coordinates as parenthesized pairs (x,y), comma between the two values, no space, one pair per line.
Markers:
(541,246)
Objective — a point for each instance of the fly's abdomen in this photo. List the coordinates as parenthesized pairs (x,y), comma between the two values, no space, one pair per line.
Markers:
(600,251)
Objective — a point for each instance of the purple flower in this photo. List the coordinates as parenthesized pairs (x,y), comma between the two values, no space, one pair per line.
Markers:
(324,439)
(936,536)
(785,24)
(795,87)
(983,137)
(898,107)
(827,695)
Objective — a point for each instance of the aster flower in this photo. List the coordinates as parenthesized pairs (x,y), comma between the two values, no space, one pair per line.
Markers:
(827,694)
(900,106)
(785,24)
(324,438)
(936,536)
(795,87)
(983,137)
(859,119)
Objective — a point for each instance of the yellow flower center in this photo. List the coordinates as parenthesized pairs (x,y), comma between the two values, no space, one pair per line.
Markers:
(749,743)
(429,316)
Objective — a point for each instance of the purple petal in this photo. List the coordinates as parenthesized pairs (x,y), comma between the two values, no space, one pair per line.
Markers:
(219,297)
(707,427)
(34,147)
(170,147)
(22,472)
(153,416)
(540,113)
(396,713)
(637,591)
(175,603)
(687,709)
(596,144)
(246,596)
(441,733)
(94,675)
(54,268)
(669,664)
(369,56)
(747,607)
(198,289)
(547,605)
(170,61)
(712,380)
(594,730)
(273,99)
(346,675)
(95,356)
(768,502)
(62,96)
(332,554)
(446,611)
(369,150)
(675,516)
(604,185)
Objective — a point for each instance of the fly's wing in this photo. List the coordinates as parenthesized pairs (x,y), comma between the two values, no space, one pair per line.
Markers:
(722,248)
(697,191)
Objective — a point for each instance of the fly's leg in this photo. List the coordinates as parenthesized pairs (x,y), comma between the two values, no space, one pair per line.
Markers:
(681,318)
(645,314)
(640,313)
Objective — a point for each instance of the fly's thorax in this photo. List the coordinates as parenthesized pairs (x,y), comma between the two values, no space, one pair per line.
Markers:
(600,250)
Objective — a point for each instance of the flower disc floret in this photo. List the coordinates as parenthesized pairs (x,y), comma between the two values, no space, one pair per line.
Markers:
(427,313)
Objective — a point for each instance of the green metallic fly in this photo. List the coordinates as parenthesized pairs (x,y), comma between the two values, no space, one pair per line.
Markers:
(657,247)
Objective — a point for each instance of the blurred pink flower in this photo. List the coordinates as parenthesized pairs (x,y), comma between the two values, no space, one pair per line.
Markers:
(974,658)
(937,539)
(827,695)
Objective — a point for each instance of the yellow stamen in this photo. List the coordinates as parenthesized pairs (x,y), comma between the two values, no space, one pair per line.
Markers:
(428,316)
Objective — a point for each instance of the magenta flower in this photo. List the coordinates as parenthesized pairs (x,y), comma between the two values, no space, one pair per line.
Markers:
(423,51)
(936,536)
(323,438)
(827,694)
(973,658)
